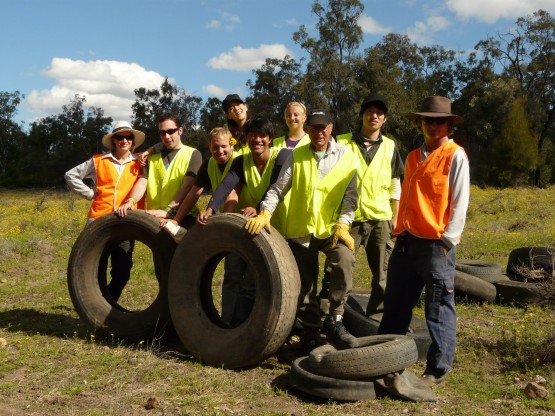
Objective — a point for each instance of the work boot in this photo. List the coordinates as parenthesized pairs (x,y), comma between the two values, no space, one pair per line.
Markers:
(310,339)
(337,334)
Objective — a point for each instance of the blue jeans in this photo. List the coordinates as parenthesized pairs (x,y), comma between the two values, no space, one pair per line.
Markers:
(415,264)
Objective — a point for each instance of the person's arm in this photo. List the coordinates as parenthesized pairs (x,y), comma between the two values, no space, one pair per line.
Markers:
(74,179)
(143,157)
(137,193)
(233,178)
(395,197)
(459,187)
(277,191)
(186,206)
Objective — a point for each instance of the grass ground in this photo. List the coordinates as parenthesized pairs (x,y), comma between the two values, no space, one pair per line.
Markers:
(52,364)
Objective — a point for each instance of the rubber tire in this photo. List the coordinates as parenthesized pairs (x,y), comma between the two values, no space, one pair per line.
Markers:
(531,257)
(474,287)
(360,325)
(490,272)
(195,318)
(375,356)
(82,276)
(520,293)
(303,379)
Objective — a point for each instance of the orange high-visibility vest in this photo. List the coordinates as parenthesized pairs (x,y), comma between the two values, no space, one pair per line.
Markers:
(112,188)
(425,197)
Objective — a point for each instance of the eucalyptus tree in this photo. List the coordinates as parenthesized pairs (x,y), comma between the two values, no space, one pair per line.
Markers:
(333,57)
(11,134)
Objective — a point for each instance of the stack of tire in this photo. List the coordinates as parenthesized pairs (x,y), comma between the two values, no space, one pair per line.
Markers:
(529,273)
(353,374)
(358,324)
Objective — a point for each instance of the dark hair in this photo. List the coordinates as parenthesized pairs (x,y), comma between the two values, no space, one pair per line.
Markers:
(170,116)
(260,125)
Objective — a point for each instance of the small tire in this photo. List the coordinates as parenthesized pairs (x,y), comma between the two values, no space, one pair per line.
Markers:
(520,293)
(303,379)
(374,356)
(474,287)
(82,276)
(539,260)
(478,268)
(359,325)
(196,319)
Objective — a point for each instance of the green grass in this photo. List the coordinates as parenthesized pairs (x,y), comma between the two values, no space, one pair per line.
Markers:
(52,364)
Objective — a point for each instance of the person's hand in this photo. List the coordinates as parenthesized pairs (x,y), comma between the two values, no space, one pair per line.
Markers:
(164,221)
(204,215)
(262,220)
(158,213)
(143,157)
(128,205)
(249,212)
(341,233)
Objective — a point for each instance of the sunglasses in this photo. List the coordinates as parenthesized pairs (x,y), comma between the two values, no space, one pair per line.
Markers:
(119,137)
(168,131)
(435,120)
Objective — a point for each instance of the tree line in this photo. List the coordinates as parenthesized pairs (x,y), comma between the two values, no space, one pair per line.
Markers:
(504,89)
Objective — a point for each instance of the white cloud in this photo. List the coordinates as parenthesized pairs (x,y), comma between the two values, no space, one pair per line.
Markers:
(247,59)
(109,85)
(421,30)
(214,91)
(231,17)
(214,24)
(489,11)
(369,25)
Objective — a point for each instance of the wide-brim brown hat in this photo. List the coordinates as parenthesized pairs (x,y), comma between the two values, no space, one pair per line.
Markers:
(435,106)
(123,127)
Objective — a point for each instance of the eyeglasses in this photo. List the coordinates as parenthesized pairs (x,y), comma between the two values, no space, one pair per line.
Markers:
(119,137)
(168,131)
(435,120)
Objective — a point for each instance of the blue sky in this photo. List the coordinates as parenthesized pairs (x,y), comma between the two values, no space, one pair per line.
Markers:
(104,49)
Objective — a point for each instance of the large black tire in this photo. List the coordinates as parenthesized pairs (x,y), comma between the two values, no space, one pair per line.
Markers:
(376,355)
(539,261)
(490,272)
(303,379)
(361,326)
(521,293)
(474,287)
(82,276)
(195,317)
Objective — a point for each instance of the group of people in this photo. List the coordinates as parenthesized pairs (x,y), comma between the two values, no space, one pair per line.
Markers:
(323,194)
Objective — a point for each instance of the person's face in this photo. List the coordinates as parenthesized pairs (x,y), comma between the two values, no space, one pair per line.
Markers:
(170,134)
(237,111)
(220,149)
(320,136)
(123,141)
(295,117)
(258,142)
(373,118)
(435,129)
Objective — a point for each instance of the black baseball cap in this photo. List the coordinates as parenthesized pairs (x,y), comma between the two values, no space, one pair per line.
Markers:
(374,99)
(228,99)
(318,117)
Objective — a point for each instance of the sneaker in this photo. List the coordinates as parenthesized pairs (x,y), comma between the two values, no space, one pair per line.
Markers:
(337,334)
(431,380)
(310,339)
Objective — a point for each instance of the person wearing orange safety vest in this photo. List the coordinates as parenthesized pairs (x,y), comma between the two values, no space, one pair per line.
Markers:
(432,213)
(114,174)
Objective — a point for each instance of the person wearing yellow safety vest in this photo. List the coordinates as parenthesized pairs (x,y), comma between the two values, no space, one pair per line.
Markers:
(380,167)
(114,174)
(432,213)
(321,178)
(251,173)
(237,114)
(169,175)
